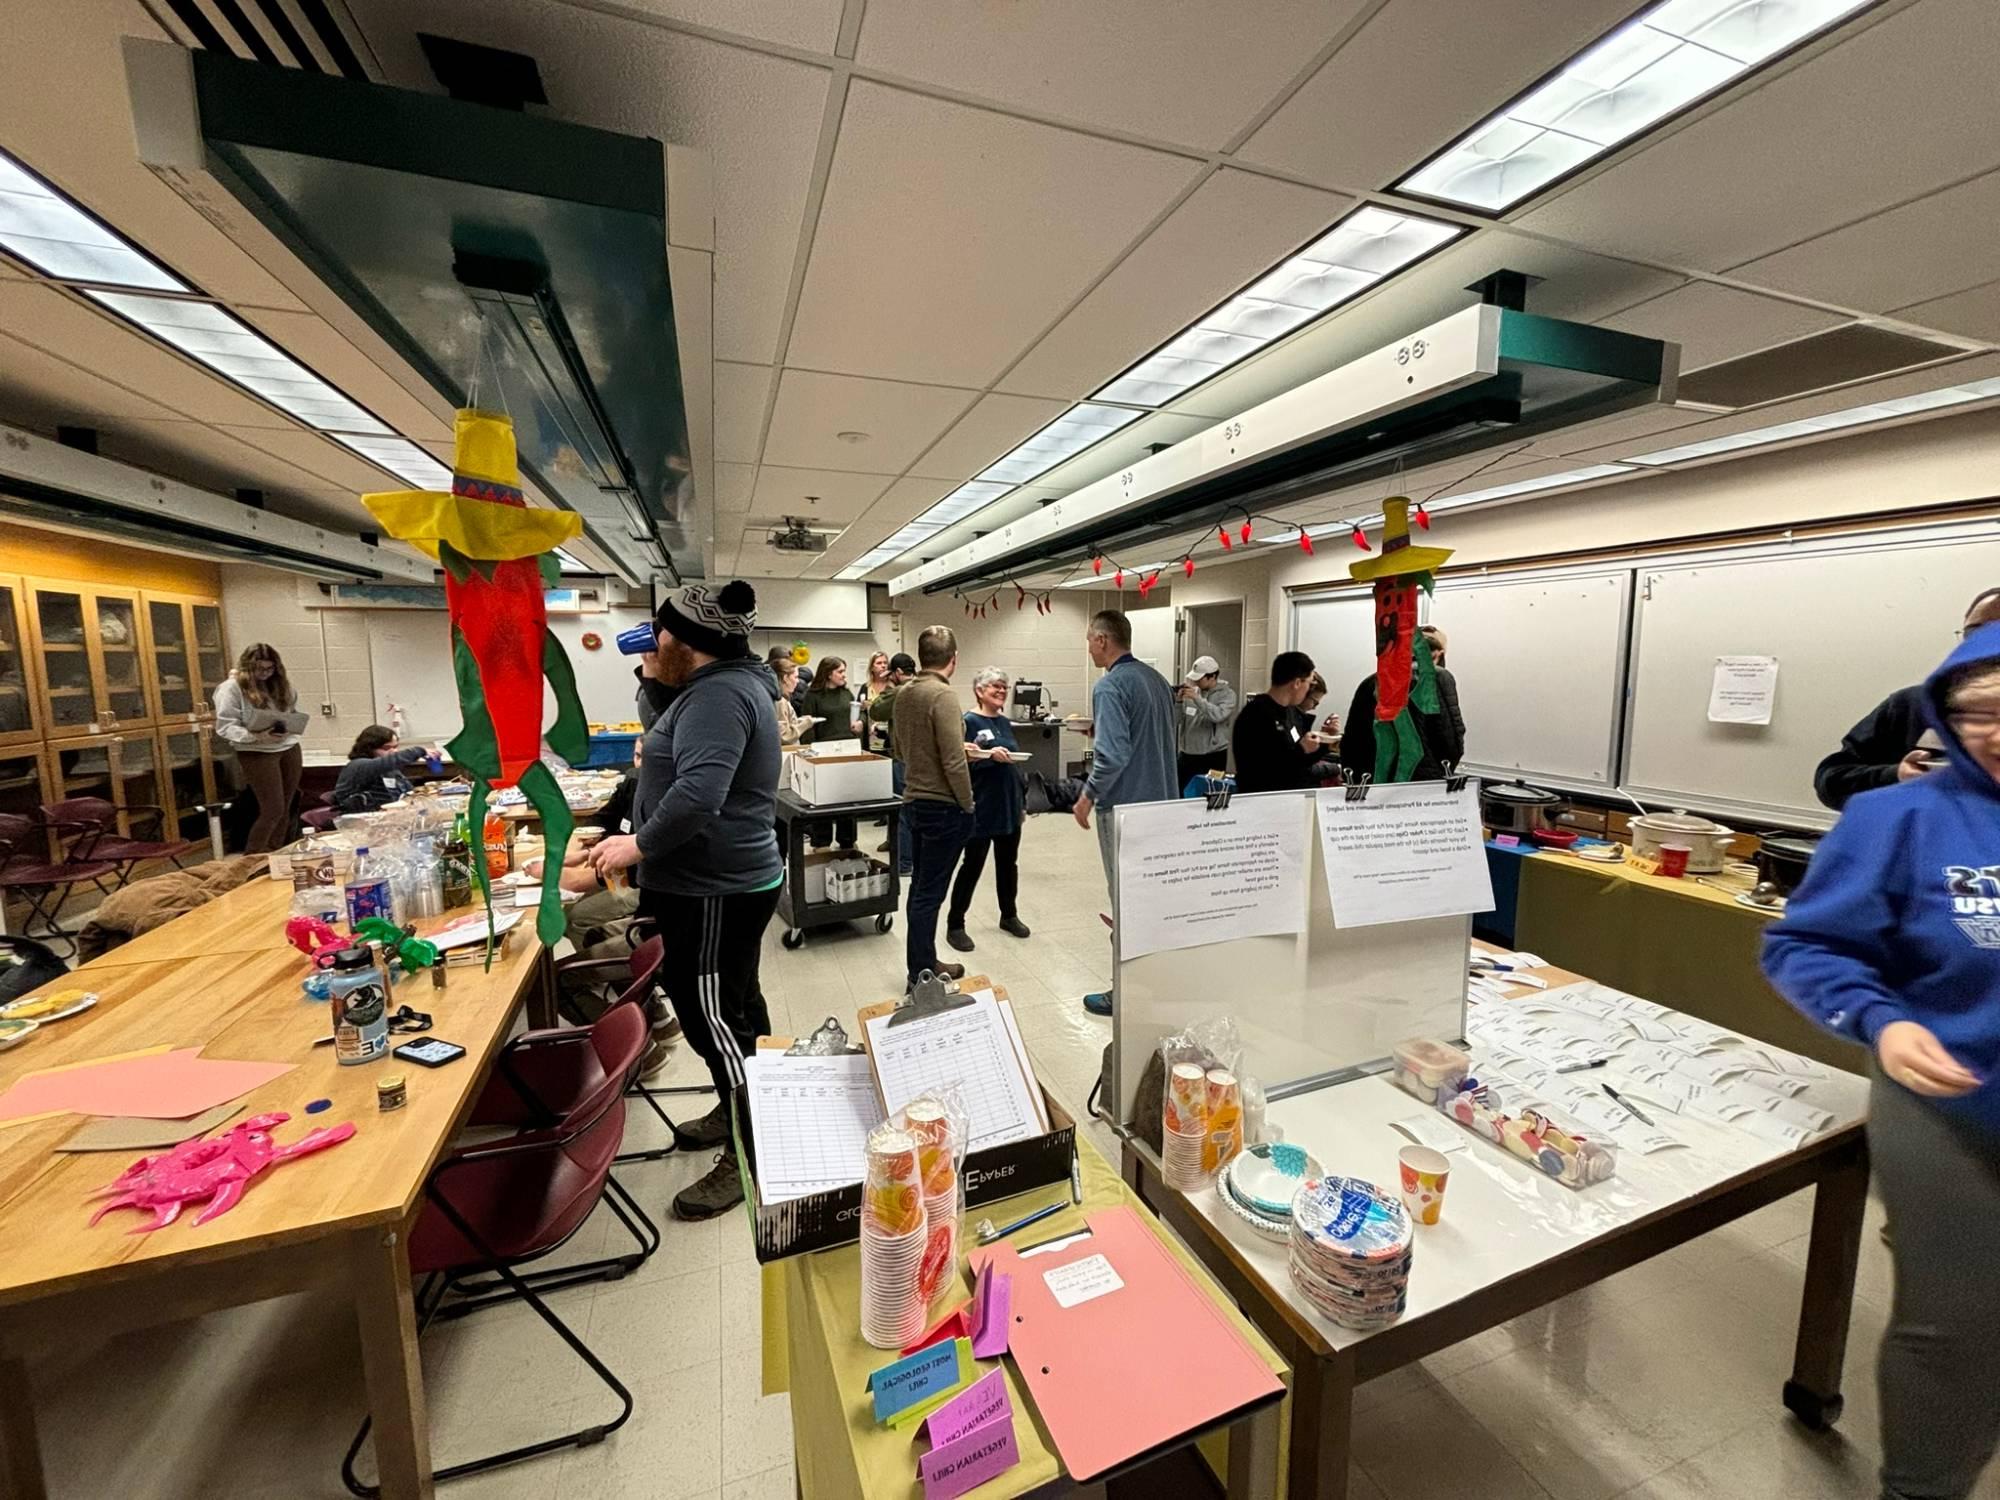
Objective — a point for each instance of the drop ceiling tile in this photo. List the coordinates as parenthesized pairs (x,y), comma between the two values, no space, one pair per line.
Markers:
(740,394)
(1819,162)
(1712,323)
(733,485)
(757,116)
(38,389)
(60,66)
(1231,229)
(1418,74)
(992,428)
(811,24)
(1974,313)
(821,496)
(1613,437)
(1123,64)
(313,343)
(898,420)
(942,264)
(56,323)
(1925,249)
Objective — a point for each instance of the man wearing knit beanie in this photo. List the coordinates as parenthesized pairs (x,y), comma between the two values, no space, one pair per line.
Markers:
(703,841)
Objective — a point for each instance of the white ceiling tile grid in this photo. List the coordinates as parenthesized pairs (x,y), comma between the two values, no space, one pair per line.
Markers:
(939,230)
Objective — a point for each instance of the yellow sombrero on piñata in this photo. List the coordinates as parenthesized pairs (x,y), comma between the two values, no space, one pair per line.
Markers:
(485,515)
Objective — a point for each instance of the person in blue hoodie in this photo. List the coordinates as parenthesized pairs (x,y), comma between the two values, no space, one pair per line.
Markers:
(1893,940)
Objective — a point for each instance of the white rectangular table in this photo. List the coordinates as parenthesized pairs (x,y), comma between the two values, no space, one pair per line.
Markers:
(1512,1239)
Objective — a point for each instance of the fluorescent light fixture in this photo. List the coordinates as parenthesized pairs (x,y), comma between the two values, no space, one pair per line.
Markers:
(1651,67)
(1081,427)
(219,339)
(1853,416)
(1360,250)
(400,457)
(59,239)
(569,564)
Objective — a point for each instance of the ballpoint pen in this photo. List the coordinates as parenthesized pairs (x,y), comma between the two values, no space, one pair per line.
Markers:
(1627,1105)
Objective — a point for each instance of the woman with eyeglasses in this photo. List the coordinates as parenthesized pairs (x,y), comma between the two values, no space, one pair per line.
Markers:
(1893,940)
(251,705)
(999,804)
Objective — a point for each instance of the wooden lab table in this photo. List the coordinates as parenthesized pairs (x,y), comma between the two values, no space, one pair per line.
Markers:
(249,919)
(338,1217)
(1556,1240)
(1679,943)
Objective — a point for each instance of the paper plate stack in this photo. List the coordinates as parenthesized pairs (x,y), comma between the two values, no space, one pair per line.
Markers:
(894,1233)
(1351,1251)
(1259,1185)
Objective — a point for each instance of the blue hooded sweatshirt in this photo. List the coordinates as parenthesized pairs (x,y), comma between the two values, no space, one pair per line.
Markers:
(1898,918)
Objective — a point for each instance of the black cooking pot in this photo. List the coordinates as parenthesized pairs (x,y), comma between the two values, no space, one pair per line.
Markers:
(1516,807)
(1782,859)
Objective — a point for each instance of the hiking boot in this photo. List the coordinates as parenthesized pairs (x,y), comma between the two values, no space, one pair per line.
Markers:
(960,940)
(720,1190)
(1014,925)
(705,1134)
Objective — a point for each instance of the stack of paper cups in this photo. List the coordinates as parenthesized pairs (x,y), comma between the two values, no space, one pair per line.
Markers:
(1184,1127)
(893,1236)
(1225,1121)
(931,1128)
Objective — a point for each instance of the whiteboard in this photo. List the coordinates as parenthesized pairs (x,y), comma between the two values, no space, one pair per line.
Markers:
(1539,661)
(1338,632)
(1849,621)
(810,604)
(409,651)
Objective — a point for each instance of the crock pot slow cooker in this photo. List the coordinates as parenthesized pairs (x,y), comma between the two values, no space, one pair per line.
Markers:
(1707,842)
(1516,807)
(1782,859)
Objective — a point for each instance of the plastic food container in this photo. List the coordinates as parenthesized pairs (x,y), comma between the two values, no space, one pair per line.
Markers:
(1429,1070)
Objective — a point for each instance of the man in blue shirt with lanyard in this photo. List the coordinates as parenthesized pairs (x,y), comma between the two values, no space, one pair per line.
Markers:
(1132,750)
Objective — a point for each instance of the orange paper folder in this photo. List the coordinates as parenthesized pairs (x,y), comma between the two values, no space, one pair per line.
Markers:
(1121,1350)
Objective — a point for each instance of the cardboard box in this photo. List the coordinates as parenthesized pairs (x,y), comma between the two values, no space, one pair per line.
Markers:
(839,775)
(824,1220)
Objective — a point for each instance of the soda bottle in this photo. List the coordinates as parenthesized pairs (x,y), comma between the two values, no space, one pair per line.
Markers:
(369,890)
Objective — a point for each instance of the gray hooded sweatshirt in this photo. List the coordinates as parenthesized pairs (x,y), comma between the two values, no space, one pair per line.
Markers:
(708,786)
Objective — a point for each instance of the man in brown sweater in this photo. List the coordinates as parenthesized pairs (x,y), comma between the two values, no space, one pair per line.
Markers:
(928,735)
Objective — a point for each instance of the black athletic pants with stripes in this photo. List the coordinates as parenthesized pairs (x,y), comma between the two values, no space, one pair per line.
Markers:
(713,947)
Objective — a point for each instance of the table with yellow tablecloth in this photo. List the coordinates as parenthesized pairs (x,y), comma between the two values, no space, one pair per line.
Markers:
(813,1348)
(1678,942)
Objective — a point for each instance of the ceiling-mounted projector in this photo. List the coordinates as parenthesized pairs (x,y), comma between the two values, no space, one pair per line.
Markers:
(799,535)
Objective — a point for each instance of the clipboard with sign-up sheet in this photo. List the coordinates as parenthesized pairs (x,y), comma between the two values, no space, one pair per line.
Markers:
(1121,1350)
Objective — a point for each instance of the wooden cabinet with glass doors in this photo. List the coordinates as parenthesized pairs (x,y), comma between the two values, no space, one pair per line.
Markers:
(20,704)
(125,769)
(187,765)
(185,657)
(91,649)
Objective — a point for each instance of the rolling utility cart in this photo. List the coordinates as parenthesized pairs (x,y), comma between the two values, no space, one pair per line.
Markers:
(795,820)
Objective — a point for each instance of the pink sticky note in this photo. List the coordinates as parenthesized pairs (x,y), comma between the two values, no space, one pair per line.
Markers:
(992,1299)
(984,1401)
(953,1468)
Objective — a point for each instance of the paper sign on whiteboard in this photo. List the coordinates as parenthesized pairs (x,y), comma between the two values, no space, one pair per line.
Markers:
(1188,876)
(1744,690)
(1405,851)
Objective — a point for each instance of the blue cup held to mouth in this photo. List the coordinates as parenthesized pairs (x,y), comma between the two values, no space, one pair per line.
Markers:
(638,640)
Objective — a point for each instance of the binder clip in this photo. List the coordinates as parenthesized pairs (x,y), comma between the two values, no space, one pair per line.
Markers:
(1220,789)
(1357,785)
(931,995)
(829,1040)
(1454,784)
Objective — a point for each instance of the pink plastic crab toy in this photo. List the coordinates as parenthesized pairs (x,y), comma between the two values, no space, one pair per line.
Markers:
(314,939)
(218,1168)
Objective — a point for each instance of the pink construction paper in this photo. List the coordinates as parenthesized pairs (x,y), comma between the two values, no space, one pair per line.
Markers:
(984,1401)
(162,1086)
(953,1468)
(992,1305)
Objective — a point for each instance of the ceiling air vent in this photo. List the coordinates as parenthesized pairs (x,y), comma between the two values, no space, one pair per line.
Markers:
(1840,356)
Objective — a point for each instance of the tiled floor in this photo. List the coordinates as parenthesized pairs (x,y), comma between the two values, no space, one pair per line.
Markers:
(1661,1384)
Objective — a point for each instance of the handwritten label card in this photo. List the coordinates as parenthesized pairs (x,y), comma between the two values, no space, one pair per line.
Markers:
(984,1401)
(916,1378)
(954,1468)
(992,1305)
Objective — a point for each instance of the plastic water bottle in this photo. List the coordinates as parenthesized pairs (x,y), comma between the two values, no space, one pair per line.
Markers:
(369,890)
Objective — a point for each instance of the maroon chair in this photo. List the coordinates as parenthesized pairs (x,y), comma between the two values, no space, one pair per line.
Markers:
(80,814)
(489,1209)
(43,883)
(319,819)
(639,976)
